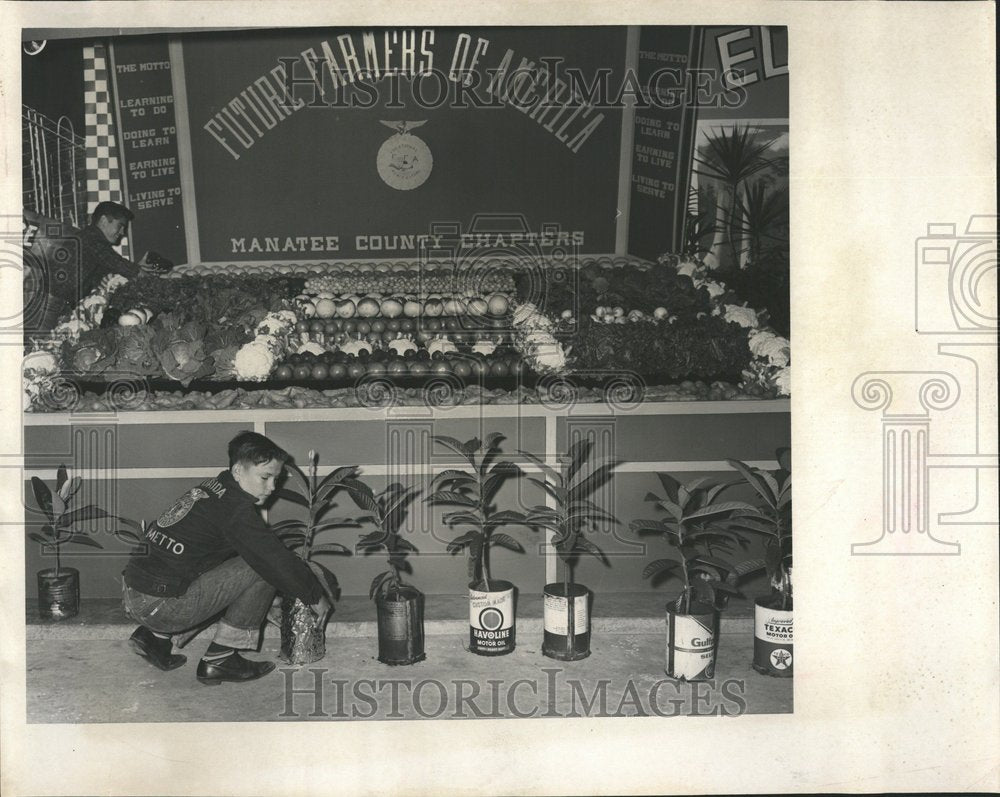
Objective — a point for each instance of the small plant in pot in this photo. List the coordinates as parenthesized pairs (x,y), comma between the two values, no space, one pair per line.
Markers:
(303,636)
(59,587)
(772,519)
(399,606)
(694,526)
(566,604)
(491,601)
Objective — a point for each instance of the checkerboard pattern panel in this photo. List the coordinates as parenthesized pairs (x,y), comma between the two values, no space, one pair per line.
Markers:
(103,174)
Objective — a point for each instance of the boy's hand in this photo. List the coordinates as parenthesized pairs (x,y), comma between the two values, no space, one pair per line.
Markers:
(322,608)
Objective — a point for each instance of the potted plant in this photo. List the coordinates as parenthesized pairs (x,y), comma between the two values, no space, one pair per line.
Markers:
(303,636)
(491,601)
(566,604)
(693,526)
(399,607)
(59,587)
(771,518)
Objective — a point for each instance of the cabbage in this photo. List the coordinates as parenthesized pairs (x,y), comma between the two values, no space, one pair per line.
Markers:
(181,352)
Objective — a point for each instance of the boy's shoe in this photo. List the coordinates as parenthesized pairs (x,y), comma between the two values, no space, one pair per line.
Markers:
(232,668)
(155,650)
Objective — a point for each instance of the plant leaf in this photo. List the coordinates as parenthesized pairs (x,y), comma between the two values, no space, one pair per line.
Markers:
(38,538)
(294,497)
(752,477)
(506,541)
(61,477)
(455,445)
(451,475)
(43,496)
(505,517)
(83,513)
(331,547)
(589,547)
(670,485)
(718,509)
(281,525)
(377,583)
(594,481)
(578,454)
(548,470)
(659,566)
(327,580)
(84,539)
(461,541)
(449,497)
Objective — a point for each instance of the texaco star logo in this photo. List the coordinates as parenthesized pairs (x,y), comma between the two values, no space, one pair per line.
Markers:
(404,161)
(781,659)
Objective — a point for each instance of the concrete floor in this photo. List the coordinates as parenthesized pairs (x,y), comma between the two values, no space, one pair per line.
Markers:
(84,672)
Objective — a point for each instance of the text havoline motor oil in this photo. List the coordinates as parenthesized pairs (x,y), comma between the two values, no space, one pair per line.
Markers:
(491,619)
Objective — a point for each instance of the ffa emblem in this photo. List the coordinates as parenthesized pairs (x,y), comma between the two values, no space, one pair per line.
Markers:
(179,510)
(404,161)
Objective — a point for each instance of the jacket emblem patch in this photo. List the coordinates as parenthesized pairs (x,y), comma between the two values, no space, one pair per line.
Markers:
(181,507)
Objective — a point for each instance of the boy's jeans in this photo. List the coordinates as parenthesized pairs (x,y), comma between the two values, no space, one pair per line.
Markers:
(233,588)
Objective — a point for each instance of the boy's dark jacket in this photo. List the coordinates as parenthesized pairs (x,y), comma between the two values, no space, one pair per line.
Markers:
(207,525)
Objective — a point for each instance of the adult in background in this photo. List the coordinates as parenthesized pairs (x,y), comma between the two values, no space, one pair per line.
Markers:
(211,553)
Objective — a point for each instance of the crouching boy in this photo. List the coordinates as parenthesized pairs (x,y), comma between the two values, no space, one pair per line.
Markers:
(212,554)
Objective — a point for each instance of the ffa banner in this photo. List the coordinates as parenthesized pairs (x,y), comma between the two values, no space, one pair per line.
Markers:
(395,139)
(144,100)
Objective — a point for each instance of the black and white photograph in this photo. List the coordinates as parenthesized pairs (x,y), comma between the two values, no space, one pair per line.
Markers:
(414,379)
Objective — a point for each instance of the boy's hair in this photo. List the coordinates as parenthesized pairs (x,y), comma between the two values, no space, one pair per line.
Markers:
(250,448)
(112,210)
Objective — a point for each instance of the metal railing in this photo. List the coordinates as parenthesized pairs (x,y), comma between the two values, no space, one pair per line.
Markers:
(53,168)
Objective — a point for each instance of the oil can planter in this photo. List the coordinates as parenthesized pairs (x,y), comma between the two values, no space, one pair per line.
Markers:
(771,518)
(303,633)
(400,616)
(58,593)
(695,526)
(562,639)
(59,587)
(492,616)
(399,607)
(692,641)
(492,602)
(573,513)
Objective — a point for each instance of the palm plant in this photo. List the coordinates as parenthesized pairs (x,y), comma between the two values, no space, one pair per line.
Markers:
(317,497)
(473,491)
(387,511)
(732,156)
(772,518)
(694,527)
(763,213)
(61,526)
(574,513)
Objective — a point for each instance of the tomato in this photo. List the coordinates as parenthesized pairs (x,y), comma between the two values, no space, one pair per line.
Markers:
(348,326)
(419,367)
(337,371)
(378,326)
(302,371)
(320,371)
(498,368)
(394,325)
(440,367)
(362,327)
(376,367)
(317,326)
(355,370)
(284,372)
(462,369)
(332,327)
(302,326)
(431,324)
(405,325)
(479,367)
(398,368)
